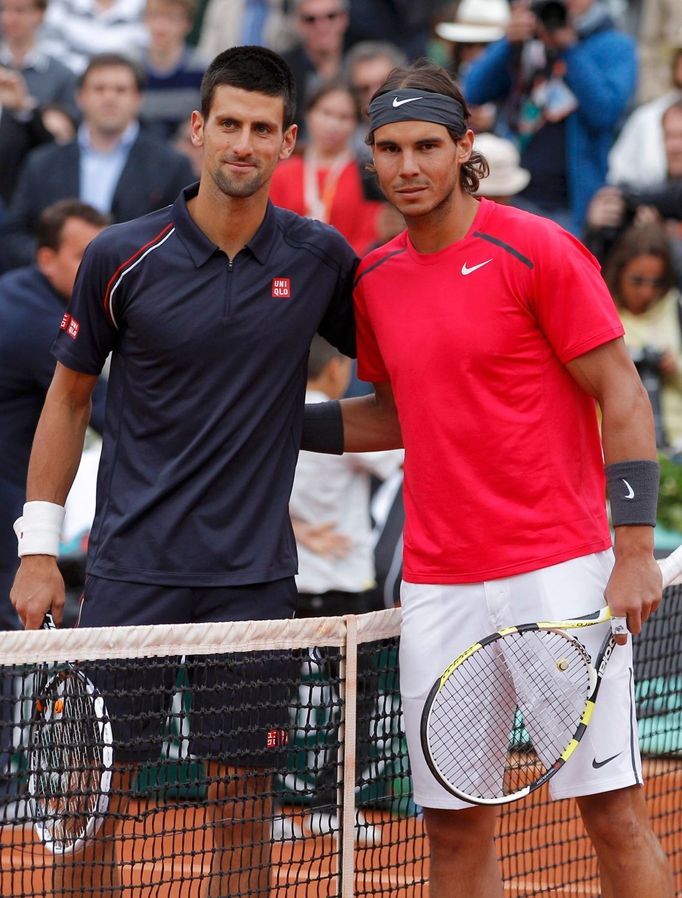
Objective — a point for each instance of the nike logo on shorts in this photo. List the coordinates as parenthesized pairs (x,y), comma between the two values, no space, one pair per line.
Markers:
(466,270)
(597,764)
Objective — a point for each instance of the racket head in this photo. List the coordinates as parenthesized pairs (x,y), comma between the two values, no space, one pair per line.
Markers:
(507,714)
(70,762)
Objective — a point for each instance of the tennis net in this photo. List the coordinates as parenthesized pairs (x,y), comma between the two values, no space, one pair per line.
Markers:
(264,759)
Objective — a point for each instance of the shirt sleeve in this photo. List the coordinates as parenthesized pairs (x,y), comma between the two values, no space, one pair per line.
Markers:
(87,333)
(338,323)
(571,300)
(371,365)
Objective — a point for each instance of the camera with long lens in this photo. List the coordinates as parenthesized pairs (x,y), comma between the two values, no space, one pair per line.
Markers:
(552,14)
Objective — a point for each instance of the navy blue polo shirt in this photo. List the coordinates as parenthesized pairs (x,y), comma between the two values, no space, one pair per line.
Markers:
(206,389)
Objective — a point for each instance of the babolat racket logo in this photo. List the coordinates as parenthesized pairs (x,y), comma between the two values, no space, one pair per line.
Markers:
(281,288)
(277,738)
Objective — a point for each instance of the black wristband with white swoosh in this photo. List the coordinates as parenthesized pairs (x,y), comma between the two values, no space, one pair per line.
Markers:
(632,488)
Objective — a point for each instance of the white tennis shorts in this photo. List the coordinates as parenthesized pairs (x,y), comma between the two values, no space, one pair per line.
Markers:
(440,621)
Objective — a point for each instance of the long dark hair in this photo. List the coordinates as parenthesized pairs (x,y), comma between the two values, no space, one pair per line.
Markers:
(424,75)
(639,240)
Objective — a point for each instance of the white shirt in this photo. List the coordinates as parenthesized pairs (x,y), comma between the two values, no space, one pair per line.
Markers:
(337,488)
(638,158)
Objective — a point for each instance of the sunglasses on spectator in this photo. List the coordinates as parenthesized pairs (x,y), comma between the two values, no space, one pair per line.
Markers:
(325,17)
(637,280)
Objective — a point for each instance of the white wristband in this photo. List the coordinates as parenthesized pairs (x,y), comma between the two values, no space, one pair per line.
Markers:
(40,529)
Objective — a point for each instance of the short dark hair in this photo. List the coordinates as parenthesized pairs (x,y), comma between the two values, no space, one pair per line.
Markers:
(252,68)
(52,219)
(424,75)
(639,240)
(321,354)
(107,60)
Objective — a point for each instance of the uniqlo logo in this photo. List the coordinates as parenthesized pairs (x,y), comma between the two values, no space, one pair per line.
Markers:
(281,288)
(73,328)
(65,321)
(277,738)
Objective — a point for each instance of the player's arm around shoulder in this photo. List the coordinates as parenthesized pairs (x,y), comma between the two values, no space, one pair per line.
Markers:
(370,423)
(607,373)
(57,446)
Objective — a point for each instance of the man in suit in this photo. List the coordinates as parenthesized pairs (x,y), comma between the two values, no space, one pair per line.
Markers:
(111,165)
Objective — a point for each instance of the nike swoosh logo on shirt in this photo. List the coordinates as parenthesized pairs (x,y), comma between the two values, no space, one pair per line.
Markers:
(466,270)
(597,764)
(397,102)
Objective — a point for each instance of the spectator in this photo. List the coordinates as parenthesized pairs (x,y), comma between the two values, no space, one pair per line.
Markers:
(565,80)
(325,182)
(227,23)
(110,165)
(477,23)
(366,67)
(321,26)
(173,69)
(645,161)
(639,274)
(22,128)
(660,33)
(335,490)
(47,80)
(183,143)
(506,177)
(32,303)
(76,30)
(615,207)
(405,23)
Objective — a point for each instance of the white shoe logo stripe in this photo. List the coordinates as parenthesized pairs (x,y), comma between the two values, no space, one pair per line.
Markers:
(466,270)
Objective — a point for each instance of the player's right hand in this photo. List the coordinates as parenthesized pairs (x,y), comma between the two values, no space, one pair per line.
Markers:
(38,588)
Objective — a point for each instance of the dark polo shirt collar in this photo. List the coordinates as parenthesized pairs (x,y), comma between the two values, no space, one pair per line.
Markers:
(201,248)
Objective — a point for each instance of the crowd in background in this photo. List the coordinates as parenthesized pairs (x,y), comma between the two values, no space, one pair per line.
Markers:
(577,106)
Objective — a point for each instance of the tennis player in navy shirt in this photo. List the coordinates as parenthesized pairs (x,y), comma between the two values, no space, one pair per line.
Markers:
(208,308)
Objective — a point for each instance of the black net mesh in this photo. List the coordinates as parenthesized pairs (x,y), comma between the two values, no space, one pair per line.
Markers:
(230,776)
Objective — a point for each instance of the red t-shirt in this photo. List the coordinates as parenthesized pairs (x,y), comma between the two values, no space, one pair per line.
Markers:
(503,469)
(351,214)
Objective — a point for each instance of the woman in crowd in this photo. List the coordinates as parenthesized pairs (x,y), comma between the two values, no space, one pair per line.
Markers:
(325,181)
(640,275)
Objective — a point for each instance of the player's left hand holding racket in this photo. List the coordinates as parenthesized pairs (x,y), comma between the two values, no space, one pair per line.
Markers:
(511,709)
(70,758)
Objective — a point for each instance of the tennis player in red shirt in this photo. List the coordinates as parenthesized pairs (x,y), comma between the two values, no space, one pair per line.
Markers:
(488,334)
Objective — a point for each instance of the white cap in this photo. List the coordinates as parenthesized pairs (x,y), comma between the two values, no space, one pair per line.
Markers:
(506,177)
(476,22)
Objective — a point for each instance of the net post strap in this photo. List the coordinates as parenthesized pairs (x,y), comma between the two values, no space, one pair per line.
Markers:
(349,665)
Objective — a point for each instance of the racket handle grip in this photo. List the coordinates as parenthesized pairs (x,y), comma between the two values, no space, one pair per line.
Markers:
(48,622)
(619,626)
(671,566)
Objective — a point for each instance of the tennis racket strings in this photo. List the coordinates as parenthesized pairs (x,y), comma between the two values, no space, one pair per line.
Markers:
(504,717)
(69,761)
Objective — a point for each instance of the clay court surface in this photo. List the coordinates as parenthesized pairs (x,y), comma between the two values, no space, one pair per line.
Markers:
(543,846)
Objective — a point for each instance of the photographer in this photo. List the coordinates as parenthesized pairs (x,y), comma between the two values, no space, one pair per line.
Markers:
(639,275)
(563,74)
(614,208)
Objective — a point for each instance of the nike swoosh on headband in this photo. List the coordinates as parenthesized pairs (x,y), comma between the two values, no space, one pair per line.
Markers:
(397,102)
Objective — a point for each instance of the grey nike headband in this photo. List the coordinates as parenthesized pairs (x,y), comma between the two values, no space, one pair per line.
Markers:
(409,105)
